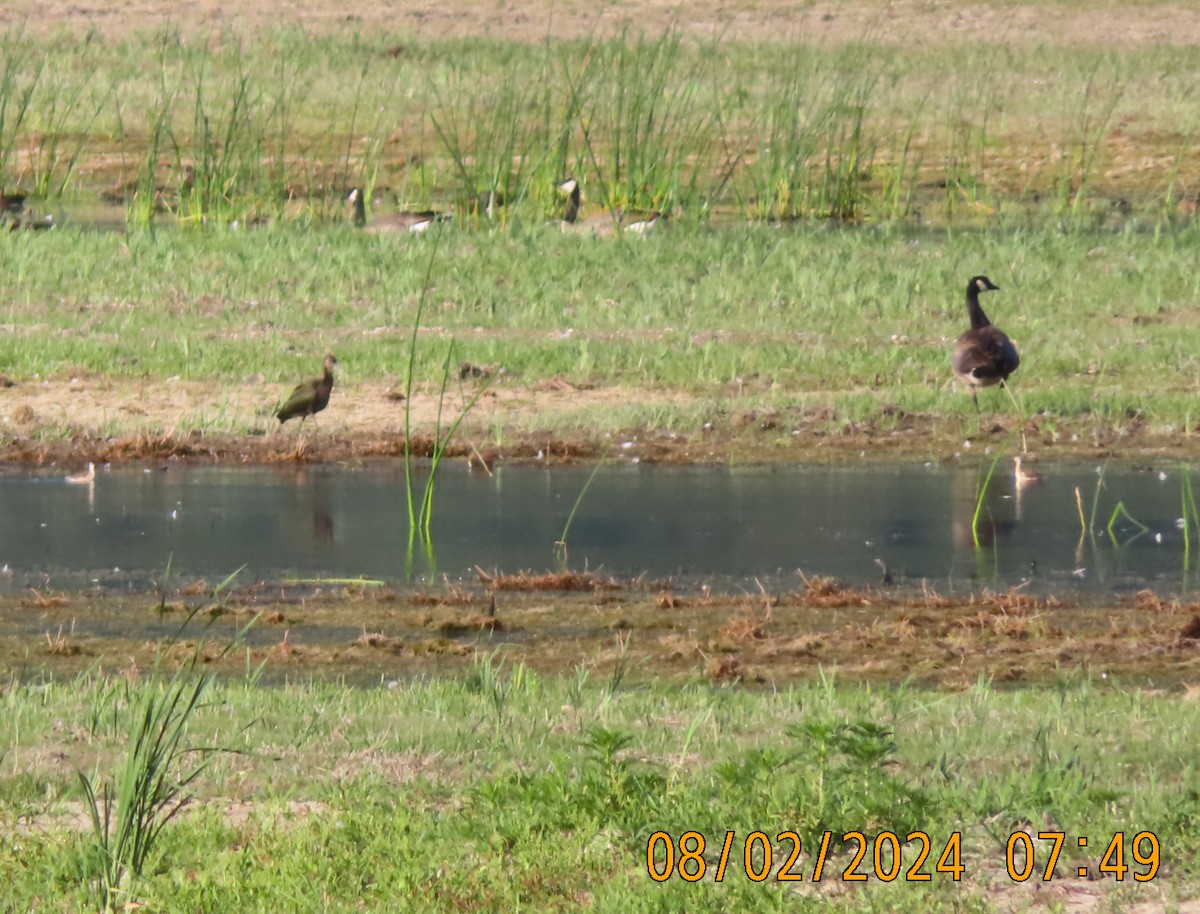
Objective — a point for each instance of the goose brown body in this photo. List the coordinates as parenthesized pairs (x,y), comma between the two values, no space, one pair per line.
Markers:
(310,397)
(606,222)
(984,355)
(392,222)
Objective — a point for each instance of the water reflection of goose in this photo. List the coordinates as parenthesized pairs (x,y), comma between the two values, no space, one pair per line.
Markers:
(1023,476)
(84,478)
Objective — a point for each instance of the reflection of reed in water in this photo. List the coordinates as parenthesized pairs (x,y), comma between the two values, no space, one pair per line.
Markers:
(996,520)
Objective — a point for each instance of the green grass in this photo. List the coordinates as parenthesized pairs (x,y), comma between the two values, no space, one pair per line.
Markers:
(1039,179)
(863,129)
(507,790)
(855,321)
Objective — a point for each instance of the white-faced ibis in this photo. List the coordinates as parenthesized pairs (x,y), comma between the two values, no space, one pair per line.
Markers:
(983,356)
(310,397)
(604,223)
(83,479)
(392,222)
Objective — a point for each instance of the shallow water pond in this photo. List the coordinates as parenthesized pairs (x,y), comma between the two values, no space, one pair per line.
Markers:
(696,525)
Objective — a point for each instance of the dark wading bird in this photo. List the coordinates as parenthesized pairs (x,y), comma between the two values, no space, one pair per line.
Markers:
(984,355)
(392,222)
(310,397)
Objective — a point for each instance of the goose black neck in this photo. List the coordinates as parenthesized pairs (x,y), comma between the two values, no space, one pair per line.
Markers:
(979,320)
(573,200)
(360,213)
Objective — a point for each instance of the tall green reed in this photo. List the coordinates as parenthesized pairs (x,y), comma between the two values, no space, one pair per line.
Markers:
(57,142)
(420,514)
(560,545)
(1103,89)
(129,809)
(645,134)
(21,70)
(818,139)
(497,137)
(128,812)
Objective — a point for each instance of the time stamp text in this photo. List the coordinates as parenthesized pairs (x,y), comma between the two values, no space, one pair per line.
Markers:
(916,858)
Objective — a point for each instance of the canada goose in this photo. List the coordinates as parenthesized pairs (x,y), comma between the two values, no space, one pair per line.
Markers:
(310,397)
(983,356)
(392,222)
(13,212)
(604,223)
(12,203)
(24,222)
(84,478)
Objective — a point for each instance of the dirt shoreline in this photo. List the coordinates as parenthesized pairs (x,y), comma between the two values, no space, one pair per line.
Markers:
(97,419)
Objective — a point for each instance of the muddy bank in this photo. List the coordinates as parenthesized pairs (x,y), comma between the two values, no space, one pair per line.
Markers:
(71,422)
(636,629)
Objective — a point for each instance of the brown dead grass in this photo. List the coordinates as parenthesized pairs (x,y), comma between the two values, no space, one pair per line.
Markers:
(380,641)
(553,623)
(470,624)
(561,582)
(47,600)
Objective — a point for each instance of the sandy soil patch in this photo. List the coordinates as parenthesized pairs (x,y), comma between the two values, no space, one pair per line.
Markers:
(907,22)
(555,420)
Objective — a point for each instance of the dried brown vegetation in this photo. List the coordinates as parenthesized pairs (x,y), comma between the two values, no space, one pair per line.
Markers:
(862,633)
(562,582)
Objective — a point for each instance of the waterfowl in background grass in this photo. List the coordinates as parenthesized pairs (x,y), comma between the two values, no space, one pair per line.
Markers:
(18,217)
(392,222)
(310,397)
(12,203)
(605,222)
(984,355)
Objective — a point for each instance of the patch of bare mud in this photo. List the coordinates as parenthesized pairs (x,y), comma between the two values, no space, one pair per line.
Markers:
(99,419)
(897,22)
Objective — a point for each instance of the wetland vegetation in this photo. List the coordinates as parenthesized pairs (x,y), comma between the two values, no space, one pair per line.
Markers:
(833,175)
(1071,182)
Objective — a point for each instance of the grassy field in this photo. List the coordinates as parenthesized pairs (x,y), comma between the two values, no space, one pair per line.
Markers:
(505,790)
(773,338)
(833,177)
(830,195)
